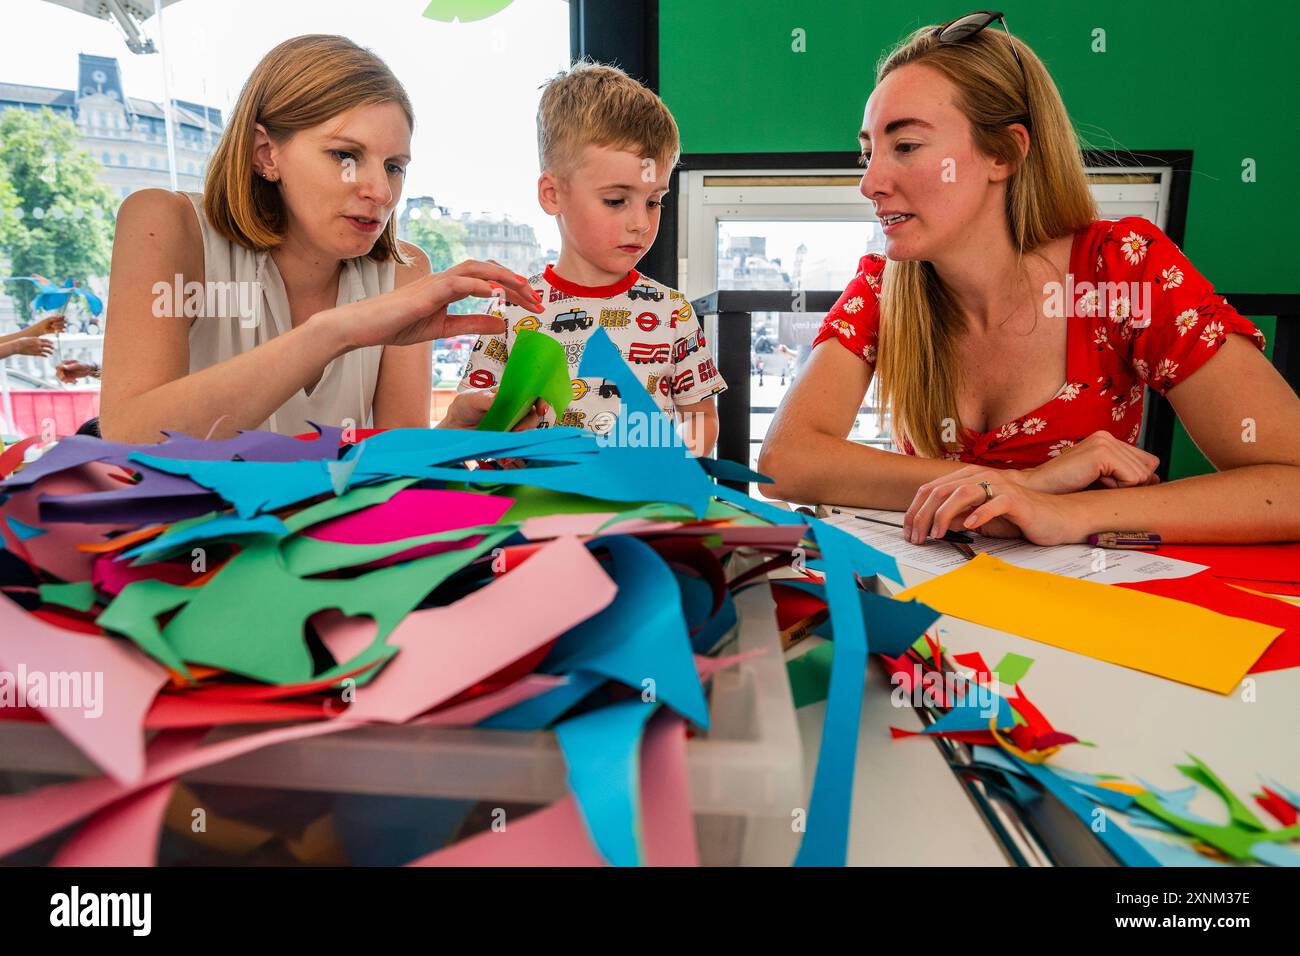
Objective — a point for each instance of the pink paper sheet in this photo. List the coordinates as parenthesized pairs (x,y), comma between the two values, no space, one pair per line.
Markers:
(666,794)
(481,708)
(125,679)
(410,513)
(111,576)
(56,551)
(28,817)
(556,835)
(557,526)
(586,525)
(346,637)
(125,833)
(706,667)
(446,650)
(31,816)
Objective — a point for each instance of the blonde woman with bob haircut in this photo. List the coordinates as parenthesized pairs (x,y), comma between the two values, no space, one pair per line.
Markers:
(1013,333)
(282,295)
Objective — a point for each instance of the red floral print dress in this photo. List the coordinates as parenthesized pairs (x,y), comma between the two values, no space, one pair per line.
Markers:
(1138,314)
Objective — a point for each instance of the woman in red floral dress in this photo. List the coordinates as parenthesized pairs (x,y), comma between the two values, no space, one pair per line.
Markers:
(1013,334)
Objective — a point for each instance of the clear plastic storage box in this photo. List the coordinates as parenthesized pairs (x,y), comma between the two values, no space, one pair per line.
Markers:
(746,773)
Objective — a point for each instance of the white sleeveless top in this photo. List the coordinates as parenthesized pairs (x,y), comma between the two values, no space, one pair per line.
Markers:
(346,390)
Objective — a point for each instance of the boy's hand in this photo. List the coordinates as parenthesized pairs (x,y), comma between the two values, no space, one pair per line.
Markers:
(699,426)
(468,408)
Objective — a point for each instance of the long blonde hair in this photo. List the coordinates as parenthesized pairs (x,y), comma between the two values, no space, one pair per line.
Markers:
(1047,197)
(301,83)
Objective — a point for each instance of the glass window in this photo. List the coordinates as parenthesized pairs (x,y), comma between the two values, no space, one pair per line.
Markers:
(792,255)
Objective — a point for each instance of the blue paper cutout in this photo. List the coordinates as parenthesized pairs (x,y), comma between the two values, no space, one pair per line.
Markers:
(602,749)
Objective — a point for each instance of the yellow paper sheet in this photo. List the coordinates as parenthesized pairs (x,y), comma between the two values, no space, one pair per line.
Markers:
(1285,598)
(1157,635)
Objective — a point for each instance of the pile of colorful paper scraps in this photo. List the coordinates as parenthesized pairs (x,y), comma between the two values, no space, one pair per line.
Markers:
(316,586)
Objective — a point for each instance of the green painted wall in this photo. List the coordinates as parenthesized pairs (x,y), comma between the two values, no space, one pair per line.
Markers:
(1217,79)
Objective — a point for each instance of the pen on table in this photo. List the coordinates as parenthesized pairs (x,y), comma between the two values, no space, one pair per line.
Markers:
(960,540)
(1125,540)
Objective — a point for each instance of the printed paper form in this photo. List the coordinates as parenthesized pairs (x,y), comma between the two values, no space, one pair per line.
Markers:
(1070,560)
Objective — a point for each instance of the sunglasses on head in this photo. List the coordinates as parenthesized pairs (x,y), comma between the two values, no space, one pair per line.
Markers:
(955,31)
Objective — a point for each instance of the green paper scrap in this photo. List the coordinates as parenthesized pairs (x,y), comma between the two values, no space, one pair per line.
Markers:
(1012,668)
(1238,812)
(152,554)
(134,613)
(922,647)
(654,511)
(537,368)
(737,516)
(79,595)
(354,500)
(463,11)
(183,524)
(810,674)
(216,529)
(532,501)
(305,557)
(250,617)
(1233,839)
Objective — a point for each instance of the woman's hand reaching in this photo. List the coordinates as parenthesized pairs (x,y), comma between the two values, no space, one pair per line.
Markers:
(50,325)
(417,312)
(30,345)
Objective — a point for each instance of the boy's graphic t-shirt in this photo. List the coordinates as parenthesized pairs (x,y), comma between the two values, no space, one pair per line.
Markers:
(652,326)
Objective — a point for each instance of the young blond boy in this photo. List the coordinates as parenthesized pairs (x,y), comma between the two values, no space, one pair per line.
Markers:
(607,146)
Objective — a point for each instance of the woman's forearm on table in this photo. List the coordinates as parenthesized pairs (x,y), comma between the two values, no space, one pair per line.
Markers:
(1246,505)
(823,469)
(245,389)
